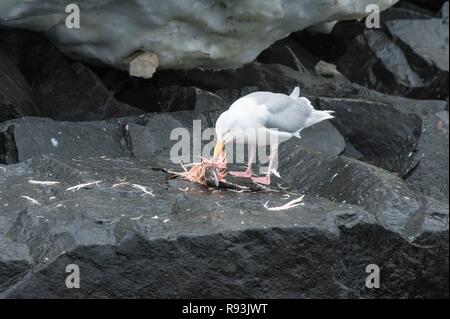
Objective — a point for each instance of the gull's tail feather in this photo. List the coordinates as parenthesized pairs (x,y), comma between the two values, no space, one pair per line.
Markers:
(296,92)
(319,116)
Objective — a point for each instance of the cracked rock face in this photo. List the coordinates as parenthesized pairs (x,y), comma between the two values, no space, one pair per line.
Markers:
(15,95)
(183,34)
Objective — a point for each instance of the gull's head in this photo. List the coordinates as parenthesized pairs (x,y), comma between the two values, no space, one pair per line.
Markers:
(224,131)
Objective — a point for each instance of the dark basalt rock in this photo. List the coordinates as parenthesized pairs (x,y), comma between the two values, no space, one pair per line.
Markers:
(432,5)
(426,45)
(29,137)
(444,12)
(62,90)
(407,57)
(385,136)
(374,61)
(176,98)
(430,175)
(404,10)
(289,53)
(15,95)
(119,237)
(349,181)
(263,77)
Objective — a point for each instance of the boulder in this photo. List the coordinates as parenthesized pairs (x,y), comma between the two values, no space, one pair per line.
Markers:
(16,99)
(432,5)
(444,12)
(176,98)
(404,10)
(426,46)
(289,53)
(29,137)
(182,34)
(385,136)
(407,57)
(430,173)
(63,90)
(348,181)
(155,240)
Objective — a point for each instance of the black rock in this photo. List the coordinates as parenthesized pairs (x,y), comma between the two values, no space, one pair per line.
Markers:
(15,95)
(176,98)
(129,244)
(257,76)
(374,61)
(63,90)
(426,46)
(405,11)
(385,136)
(289,53)
(430,176)
(444,12)
(406,57)
(417,7)
(231,95)
(349,181)
(322,137)
(432,5)
(29,137)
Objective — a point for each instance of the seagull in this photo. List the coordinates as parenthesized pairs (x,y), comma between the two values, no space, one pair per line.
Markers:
(265,118)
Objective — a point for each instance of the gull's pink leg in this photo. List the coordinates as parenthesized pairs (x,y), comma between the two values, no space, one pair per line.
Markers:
(265,180)
(248,172)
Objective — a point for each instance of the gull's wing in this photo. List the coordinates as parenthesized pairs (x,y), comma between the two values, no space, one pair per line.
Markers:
(282,112)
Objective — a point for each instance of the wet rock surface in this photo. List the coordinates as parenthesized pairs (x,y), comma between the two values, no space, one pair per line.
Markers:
(406,57)
(430,175)
(111,227)
(384,135)
(85,182)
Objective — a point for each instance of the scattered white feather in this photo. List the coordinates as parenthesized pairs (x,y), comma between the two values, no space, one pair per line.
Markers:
(54,141)
(31,200)
(80,186)
(333,177)
(143,189)
(43,183)
(291,204)
(136,186)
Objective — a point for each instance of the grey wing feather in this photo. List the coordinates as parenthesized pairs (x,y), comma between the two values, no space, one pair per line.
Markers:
(287,114)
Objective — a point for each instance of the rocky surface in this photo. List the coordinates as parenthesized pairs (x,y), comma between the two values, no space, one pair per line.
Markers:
(85,182)
(430,175)
(62,89)
(319,249)
(15,94)
(384,135)
(30,137)
(406,57)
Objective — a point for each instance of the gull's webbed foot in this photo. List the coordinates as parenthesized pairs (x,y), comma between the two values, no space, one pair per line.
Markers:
(262,180)
(246,174)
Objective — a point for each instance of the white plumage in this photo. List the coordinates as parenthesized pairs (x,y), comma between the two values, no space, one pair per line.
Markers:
(266,118)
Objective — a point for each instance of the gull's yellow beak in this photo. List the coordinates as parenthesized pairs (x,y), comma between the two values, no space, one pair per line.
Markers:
(220,146)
